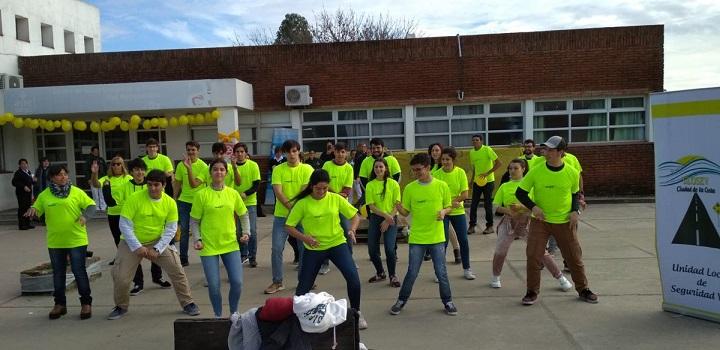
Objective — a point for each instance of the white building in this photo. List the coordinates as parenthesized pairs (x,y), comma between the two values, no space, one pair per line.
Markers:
(35,28)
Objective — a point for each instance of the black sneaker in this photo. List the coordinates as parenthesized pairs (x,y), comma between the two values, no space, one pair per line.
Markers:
(450,308)
(116,313)
(185,263)
(529,298)
(253,262)
(162,283)
(397,307)
(191,309)
(588,296)
(136,290)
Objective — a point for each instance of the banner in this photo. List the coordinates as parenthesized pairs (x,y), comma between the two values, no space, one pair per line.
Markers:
(687,197)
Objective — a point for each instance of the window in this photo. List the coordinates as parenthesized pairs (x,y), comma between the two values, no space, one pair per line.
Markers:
(69,41)
(89,45)
(353,127)
(256,130)
(144,135)
(499,123)
(83,141)
(52,145)
(117,143)
(1,34)
(46,33)
(22,29)
(205,135)
(590,120)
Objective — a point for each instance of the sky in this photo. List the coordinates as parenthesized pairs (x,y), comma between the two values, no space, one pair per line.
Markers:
(692,27)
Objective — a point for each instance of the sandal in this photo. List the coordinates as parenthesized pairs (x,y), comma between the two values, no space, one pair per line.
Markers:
(377,278)
(394,281)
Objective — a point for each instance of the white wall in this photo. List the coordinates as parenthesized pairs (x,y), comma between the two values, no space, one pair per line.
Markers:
(79,17)
(17,143)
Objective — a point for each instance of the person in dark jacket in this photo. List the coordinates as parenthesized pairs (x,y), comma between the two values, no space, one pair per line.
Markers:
(42,181)
(23,182)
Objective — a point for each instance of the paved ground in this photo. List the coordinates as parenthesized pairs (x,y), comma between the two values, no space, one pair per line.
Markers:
(618,243)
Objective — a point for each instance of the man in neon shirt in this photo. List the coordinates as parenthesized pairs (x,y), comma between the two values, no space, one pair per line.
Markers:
(249,173)
(555,212)
(484,162)
(190,176)
(377,148)
(148,222)
(341,182)
(156,160)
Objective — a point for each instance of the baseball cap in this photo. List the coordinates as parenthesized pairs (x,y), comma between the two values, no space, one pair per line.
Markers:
(555,142)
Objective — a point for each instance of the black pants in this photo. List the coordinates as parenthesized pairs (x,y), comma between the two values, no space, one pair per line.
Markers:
(155,270)
(486,192)
(24,201)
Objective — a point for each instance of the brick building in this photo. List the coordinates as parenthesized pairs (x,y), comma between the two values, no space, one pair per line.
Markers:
(588,85)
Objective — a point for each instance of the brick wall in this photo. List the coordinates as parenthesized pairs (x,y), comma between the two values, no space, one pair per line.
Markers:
(617,169)
(567,63)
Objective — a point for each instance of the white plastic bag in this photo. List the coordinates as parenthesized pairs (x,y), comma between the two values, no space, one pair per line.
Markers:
(319,312)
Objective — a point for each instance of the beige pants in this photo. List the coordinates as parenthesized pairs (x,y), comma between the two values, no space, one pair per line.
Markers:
(126,262)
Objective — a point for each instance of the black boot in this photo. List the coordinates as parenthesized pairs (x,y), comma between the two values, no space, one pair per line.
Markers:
(456,252)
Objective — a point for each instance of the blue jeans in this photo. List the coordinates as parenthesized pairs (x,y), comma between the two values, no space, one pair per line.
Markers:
(279,236)
(459,223)
(184,217)
(341,257)
(58,261)
(249,249)
(389,237)
(233,266)
(437,252)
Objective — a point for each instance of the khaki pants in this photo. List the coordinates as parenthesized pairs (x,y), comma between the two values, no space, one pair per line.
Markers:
(569,245)
(126,262)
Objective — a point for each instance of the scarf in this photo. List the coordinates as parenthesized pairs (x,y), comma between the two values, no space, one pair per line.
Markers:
(60,191)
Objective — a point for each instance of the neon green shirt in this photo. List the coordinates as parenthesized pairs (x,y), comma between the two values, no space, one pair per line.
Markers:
(424,201)
(553,191)
(374,194)
(149,216)
(200,170)
(568,159)
(61,216)
(505,195)
(366,167)
(116,185)
(457,183)
(229,176)
(483,160)
(249,173)
(292,180)
(160,162)
(320,219)
(126,190)
(341,176)
(214,210)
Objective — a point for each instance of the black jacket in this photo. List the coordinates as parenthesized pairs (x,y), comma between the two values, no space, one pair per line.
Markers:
(20,180)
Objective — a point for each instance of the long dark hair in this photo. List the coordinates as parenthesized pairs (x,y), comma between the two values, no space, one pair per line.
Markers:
(385,176)
(318,176)
(432,160)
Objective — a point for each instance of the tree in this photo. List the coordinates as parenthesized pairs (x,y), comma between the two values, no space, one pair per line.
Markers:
(294,29)
(346,25)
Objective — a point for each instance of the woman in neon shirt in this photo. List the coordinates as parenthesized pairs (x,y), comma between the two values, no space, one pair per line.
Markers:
(66,209)
(514,225)
(212,223)
(381,195)
(318,211)
(116,177)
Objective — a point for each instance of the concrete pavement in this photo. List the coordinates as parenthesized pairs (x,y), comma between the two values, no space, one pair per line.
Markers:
(619,251)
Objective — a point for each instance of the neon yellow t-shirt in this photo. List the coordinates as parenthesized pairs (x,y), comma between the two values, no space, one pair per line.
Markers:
(374,194)
(61,216)
(457,183)
(200,171)
(568,159)
(126,190)
(424,201)
(249,173)
(320,219)
(366,167)
(214,210)
(160,162)
(229,176)
(292,180)
(341,176)
(553,191)
(529,161)
(505,195)
(483,160)
(116,184)
(149,216)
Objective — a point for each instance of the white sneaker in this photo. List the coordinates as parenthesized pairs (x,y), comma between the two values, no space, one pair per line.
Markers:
(495,283)
(565,284)
(362,324)
(324,269)
(436,280)
(469,275)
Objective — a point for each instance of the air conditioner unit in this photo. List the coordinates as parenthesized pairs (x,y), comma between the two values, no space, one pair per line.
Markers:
(297,95)
(8,81)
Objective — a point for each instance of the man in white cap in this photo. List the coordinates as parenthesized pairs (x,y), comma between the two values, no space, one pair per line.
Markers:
(555,212)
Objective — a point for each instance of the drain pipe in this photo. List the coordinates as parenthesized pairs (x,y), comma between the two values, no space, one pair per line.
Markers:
(460,92)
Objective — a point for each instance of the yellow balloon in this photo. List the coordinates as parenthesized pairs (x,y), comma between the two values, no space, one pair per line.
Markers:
(95,126)
(115,120)
(154,122)
(57,124)
(50,126)
(18,123)
(215,114)
(183,120)
(124,126)
(147,125)
(200,119)
(66,125)
(26,122)
(34,124)
(173,122)
(135,119)
(80,125)
(162,122)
